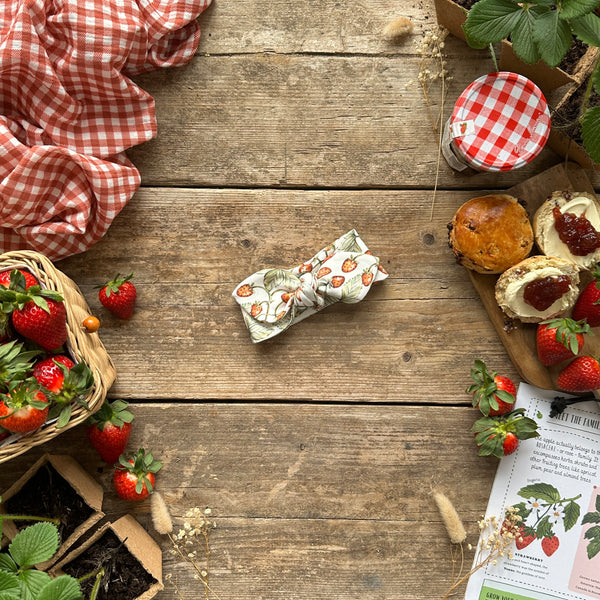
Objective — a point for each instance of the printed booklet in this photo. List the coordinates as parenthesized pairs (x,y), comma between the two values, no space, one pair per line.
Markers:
(554,481)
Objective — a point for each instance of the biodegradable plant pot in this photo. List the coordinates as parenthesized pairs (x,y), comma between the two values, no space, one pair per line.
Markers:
(545,77)
(132,559)
(451,16)
(56,486)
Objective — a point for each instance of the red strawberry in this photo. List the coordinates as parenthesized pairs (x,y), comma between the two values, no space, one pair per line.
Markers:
(492,394)
(40,315)
(560,339)
(499,436)
(550,545)
(524,538)
(588,304)
(306,268)
(108,430)
(118,296)
(134,477)
(367,278)
(24,408)
(66,383)
(337,281)
(255,310)
(349,265)
(323,271)
(244,290)
(26,281)
(581,375)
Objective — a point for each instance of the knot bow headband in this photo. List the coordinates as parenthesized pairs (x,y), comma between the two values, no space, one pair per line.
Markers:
(274,299)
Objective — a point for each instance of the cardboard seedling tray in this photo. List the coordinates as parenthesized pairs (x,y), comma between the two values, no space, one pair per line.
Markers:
(137,542)
(80,494)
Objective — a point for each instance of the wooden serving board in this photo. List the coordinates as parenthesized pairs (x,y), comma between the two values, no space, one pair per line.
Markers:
(519,338)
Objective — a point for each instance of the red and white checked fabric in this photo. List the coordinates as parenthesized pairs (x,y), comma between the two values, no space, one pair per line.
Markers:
(500,122)
(68,110)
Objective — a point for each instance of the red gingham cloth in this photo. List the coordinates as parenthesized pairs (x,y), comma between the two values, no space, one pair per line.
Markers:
(500,122)
(68,110)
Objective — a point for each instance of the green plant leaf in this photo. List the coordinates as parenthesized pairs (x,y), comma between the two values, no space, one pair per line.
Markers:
(63,587)
(593,548)
(590,132)
(9,583)
(278,278)
(552,36)
(10,596)
(490,21)
(592,532)
(32,582)
(35,544)
(591,517)
(540,491)
(587,29)
(544,528)
(598,504)
(522,37)
(572,512)
(7,564)
(570,9)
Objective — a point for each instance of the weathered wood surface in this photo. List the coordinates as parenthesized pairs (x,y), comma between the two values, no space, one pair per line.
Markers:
(309,501)
(187,339)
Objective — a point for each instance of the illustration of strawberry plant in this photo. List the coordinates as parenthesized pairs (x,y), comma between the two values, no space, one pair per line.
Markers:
(593,533)
(542,511)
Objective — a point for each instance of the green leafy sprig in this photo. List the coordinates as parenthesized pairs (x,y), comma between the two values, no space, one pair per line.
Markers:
(593,533)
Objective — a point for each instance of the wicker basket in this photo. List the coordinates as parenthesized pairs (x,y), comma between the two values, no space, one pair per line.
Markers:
(81,344)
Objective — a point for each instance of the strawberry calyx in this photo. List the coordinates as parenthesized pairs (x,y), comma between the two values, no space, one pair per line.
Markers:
(487,393)
(15,298)
(491,432)
(23,393)
(113,286)
(15,363)
(140,465)
(115,413)
(567,330)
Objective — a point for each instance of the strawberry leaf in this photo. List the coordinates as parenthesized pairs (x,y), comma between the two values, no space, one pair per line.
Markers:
(34,544)
(590,131)
(552,36)
(592,532)
(572,512)
(591,517)
(587,29)
(570,9)
(593,548)
(64,416)
(490,21)
(540,491)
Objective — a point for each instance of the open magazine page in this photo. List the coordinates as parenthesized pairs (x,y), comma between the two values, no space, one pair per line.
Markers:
(554,480)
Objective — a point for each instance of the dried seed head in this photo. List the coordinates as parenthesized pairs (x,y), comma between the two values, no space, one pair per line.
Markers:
(398,28)
(454,526)
(160,514)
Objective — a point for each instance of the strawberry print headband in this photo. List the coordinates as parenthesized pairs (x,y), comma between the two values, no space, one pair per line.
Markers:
(274,299)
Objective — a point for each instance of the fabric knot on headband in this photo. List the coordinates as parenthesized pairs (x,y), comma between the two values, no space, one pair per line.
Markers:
(274,299)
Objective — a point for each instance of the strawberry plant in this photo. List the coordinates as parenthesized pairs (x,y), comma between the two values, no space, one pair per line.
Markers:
(543,30)
(593,533)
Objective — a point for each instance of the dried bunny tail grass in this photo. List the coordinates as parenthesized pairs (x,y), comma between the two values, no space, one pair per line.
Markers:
(454,526)
(161,517)
(398,28)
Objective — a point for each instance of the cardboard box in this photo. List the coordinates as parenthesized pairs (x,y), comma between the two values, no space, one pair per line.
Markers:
(451,16)
(85,490)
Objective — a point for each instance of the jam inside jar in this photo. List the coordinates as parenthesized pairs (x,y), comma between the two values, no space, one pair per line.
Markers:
(543,293)
(576,232)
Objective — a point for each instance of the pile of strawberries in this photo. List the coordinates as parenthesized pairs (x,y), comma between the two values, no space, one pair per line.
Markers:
(38,379)
(498,432)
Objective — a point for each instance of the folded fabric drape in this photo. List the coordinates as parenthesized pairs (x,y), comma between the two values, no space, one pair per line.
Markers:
(69,110)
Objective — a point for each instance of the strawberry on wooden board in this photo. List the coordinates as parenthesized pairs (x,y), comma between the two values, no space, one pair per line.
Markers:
(493,394)
(135,476)
(15,363)
(118,296)
(580,375)
(588,304)
(560,339)
(66,383)
(499,436)
(108,430)
(24,407)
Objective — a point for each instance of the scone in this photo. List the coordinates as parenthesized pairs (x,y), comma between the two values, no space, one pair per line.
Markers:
(491,233)
(567,225)
(538,288)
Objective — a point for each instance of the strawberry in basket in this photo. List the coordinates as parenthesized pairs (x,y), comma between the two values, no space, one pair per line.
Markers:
(24,407)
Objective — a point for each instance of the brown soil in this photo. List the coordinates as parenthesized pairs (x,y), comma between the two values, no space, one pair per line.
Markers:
(573,56)
(48,494)
(567,118)
(468,4)
(124,578)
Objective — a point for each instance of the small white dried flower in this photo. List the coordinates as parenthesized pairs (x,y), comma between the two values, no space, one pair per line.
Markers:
(454,526)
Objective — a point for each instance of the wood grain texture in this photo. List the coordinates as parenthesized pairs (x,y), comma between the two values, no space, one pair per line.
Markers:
(309,501)
(189,248)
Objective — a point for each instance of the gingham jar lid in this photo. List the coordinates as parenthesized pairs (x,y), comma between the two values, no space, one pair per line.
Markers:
(500,122)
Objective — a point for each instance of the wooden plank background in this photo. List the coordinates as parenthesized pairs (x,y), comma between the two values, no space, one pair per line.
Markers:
(316,451)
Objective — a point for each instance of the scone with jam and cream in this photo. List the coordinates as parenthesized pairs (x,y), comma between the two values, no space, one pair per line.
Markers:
(567,225)
(538,288)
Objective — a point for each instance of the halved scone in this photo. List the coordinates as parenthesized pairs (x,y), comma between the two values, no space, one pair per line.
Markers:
(538,288)
(567,225)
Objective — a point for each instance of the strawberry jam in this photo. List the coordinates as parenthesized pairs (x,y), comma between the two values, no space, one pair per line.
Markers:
(576,232)
(543,293)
